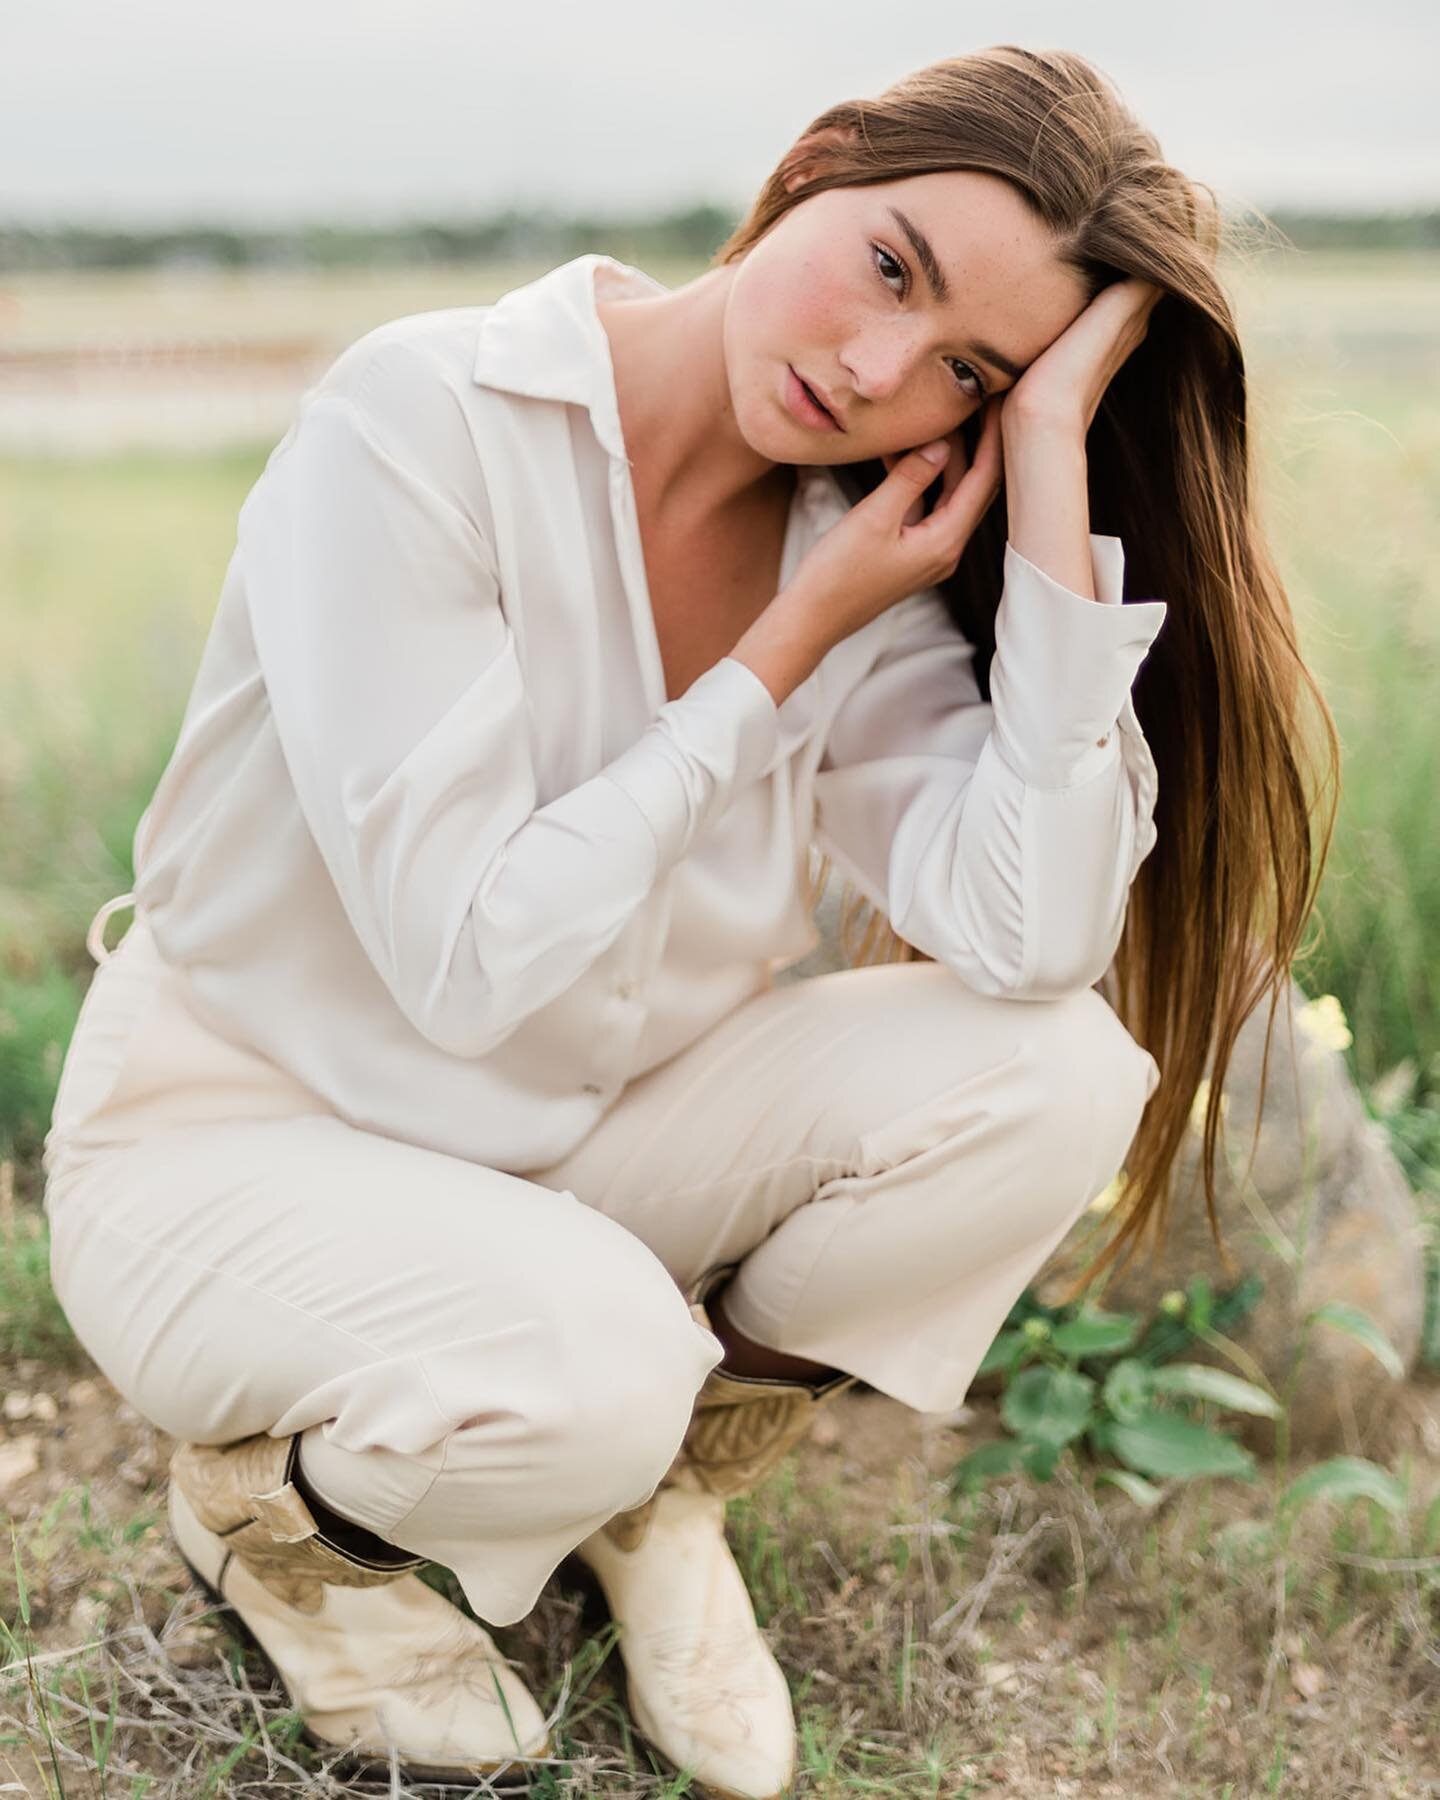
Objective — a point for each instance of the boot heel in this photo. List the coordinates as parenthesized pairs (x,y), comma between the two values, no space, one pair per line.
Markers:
(347,1766)
(206,1587)
(232,1618)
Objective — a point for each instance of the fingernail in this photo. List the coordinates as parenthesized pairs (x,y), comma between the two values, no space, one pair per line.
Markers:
(935,453)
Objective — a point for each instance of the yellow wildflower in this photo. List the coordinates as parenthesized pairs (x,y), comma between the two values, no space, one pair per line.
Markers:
(1323,1020)
(1201,1101)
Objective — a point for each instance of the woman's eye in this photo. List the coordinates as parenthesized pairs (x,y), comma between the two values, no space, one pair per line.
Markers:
(964,372)
(979,390)
(896,267)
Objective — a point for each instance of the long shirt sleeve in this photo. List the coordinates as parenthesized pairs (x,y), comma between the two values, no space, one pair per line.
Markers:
(400,704)
(1001,838)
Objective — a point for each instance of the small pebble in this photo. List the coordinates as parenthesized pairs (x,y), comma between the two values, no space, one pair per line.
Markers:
(88,1616)
(19,1457)
(193,1651)
(137,1471)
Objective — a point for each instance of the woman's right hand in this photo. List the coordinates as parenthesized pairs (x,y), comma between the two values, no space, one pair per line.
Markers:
(886,547)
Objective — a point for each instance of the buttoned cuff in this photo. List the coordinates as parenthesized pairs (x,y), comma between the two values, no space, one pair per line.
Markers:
(698,752)
(1063,666)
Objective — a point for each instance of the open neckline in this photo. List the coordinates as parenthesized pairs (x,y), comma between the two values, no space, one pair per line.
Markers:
(629,544)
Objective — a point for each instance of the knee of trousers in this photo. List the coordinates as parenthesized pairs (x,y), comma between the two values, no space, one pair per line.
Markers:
(1044,1093)
(1062,1109)
(584,1410)
(623,1396)
(1087,1084)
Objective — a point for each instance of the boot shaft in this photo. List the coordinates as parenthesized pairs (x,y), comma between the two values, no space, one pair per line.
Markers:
(740,1429)
(245,1493)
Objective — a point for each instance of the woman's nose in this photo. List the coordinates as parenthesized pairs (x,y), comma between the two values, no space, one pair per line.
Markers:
(879,364)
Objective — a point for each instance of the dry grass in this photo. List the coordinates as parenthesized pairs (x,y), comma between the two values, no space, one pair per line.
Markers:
(1028,1640)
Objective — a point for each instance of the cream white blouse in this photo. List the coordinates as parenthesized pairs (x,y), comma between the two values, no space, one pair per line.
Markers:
(433,839)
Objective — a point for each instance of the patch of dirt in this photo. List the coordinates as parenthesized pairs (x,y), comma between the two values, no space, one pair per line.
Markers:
(1035,1640)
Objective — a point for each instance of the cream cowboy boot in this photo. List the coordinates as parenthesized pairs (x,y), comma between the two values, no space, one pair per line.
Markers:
(368,1653)
(703,1685)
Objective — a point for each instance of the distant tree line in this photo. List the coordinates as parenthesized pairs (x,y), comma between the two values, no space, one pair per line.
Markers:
(531,235)
(512,236)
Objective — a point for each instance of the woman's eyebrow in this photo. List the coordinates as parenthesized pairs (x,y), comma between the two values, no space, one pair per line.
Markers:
(940,288)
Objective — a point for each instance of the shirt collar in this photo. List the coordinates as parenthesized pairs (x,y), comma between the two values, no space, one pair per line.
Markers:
(545,339)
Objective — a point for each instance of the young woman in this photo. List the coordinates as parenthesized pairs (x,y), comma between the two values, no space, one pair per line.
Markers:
(436,1158)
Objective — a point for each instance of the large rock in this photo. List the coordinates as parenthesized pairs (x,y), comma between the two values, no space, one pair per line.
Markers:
(1321,1212)
(1313,1201)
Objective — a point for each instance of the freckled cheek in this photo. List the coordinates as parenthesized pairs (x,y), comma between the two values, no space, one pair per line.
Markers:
(803,315)
(822,314)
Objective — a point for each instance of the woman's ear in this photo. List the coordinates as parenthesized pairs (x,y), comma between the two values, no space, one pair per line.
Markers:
(808,156)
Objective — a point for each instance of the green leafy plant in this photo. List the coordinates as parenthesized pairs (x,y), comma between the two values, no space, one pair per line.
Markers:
(1083,1377)
(1405,1101)
(37,1017)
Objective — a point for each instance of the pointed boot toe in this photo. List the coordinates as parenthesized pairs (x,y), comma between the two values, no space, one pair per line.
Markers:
(703,1685)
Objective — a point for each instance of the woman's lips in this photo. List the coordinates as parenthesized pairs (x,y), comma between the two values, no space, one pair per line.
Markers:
(801,406)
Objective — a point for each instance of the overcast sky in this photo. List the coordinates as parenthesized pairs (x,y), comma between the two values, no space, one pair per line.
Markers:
(140,111)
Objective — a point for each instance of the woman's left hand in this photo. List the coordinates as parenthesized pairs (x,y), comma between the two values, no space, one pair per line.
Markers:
(1060,392)
(1062,388)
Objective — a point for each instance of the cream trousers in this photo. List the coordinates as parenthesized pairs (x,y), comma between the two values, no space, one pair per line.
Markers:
(485,1367)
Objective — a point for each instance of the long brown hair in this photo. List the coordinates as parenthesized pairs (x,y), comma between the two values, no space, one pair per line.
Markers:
(1217,908)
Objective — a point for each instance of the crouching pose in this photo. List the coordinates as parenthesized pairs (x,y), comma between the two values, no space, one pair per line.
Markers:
(437,1157)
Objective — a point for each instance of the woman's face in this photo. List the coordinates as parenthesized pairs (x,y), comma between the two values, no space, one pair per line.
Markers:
(838,292)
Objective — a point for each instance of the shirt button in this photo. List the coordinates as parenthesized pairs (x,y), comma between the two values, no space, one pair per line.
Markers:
(625,989)
(1100,743)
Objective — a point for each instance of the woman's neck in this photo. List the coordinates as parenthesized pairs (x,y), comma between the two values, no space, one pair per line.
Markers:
(685,449)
